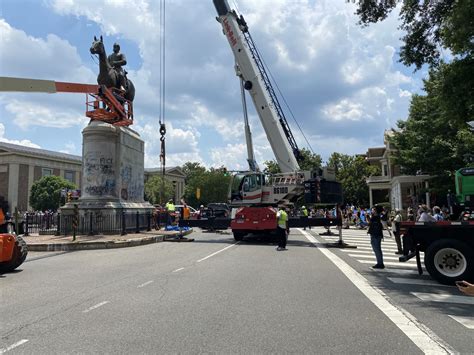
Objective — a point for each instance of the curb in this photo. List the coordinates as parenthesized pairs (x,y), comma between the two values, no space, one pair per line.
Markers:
(109,244)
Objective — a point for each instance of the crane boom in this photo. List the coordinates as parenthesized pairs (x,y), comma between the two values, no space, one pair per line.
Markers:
(257,83)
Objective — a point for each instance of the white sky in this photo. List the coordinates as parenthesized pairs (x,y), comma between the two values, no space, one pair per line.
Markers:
(343,82)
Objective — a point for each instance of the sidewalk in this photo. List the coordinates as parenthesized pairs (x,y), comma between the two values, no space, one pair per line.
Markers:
(65,243)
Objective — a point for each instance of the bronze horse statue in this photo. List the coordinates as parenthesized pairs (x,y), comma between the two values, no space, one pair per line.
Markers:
(108,76)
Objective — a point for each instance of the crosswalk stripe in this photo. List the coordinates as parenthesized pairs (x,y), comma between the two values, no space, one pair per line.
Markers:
(468,322)
(406,281)
(443,297)
(373,257)
(396,271)
(402,265)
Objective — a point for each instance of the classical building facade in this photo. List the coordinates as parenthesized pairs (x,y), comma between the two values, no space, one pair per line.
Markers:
(392,186)
(21,166)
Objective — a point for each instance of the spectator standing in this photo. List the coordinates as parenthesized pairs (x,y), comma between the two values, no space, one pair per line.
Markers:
(424,215)
(376,235)
(384,220)
(396,230)
(437,213)
(410,215)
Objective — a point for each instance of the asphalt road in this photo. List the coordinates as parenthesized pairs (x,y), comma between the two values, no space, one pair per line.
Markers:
(218,296)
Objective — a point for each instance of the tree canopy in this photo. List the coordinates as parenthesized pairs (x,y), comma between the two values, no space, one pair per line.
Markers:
(351,172)
(46,192)
(430,26)
(309,161)
(213,184)
(154,187)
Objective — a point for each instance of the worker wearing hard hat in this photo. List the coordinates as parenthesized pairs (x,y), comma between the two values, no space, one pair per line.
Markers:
(282,229)
(304,216)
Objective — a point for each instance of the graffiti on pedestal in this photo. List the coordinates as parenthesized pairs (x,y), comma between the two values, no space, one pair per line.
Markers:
(99,174)
(131,186)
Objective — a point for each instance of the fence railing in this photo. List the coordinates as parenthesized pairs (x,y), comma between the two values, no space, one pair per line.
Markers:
(91,223)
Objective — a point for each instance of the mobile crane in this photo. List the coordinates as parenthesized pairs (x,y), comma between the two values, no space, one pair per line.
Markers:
(253,194)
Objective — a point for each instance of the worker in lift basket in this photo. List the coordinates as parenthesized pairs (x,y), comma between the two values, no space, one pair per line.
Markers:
(282,229)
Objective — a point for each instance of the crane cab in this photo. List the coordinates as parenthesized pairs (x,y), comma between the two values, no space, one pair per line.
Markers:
(246,188)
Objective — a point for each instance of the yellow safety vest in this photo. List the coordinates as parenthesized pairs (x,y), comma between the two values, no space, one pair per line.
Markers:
(305,212)
(282,219)
(170,207)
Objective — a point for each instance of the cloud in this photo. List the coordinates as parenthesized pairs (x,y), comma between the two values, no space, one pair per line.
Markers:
(24,142)
(335,75)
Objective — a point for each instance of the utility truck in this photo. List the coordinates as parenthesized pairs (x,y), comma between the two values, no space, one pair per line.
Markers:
(254,195)
(448,246)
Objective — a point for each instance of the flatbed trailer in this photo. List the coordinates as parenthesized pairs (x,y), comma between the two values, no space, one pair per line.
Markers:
(448,248)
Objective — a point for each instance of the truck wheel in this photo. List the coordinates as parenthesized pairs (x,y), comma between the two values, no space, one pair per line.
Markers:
(238,235)
(448,261)
(19,255)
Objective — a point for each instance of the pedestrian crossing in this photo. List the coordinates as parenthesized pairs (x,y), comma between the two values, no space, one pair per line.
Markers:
(402,273)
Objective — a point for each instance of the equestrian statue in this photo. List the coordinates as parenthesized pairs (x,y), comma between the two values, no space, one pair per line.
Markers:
(111,73)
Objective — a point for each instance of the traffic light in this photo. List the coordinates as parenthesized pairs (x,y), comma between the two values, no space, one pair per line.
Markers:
(69,196)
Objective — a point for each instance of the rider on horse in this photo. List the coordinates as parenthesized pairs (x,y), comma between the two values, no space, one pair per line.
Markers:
(116,60)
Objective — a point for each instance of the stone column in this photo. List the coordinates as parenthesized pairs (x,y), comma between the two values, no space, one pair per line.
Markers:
(31,178)
(13,179)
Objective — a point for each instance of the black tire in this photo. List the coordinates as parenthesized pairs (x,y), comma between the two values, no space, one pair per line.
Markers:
(19,255)
(448,261)
(238,235)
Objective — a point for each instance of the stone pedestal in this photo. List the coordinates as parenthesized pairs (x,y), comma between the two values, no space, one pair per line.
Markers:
(112,172)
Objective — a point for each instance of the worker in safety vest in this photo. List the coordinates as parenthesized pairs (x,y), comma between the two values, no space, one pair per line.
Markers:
(170,209)
(304,216)
(282,229)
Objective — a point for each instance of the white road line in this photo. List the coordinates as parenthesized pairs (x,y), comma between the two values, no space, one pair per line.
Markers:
(400,280)
(396,271)
(217,252)
(389,263)
(423,337)
(468,322)
(363,248)
(372,257)
(443,297)
(144,284)
(94,307)
(13,346)
(181,268)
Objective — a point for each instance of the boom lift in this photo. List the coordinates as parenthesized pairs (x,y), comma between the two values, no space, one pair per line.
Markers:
(102,103)
(254,195)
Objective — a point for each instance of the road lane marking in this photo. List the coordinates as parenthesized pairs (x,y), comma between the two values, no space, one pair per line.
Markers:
(468,322)
(389,263)
(368,256)
(407,281)
(181,268)
(443,297)
(94,307)
(144,284)
(13,346)
(423,337)
(217,252)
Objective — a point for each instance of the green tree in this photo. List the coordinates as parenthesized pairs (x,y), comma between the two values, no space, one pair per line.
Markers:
(351,172)
(213,184)
(309,162)
(156,192)
(435,139)
(429,27)
(46,192)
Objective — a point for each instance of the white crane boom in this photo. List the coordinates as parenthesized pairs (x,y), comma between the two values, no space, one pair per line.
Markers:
(276,130)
